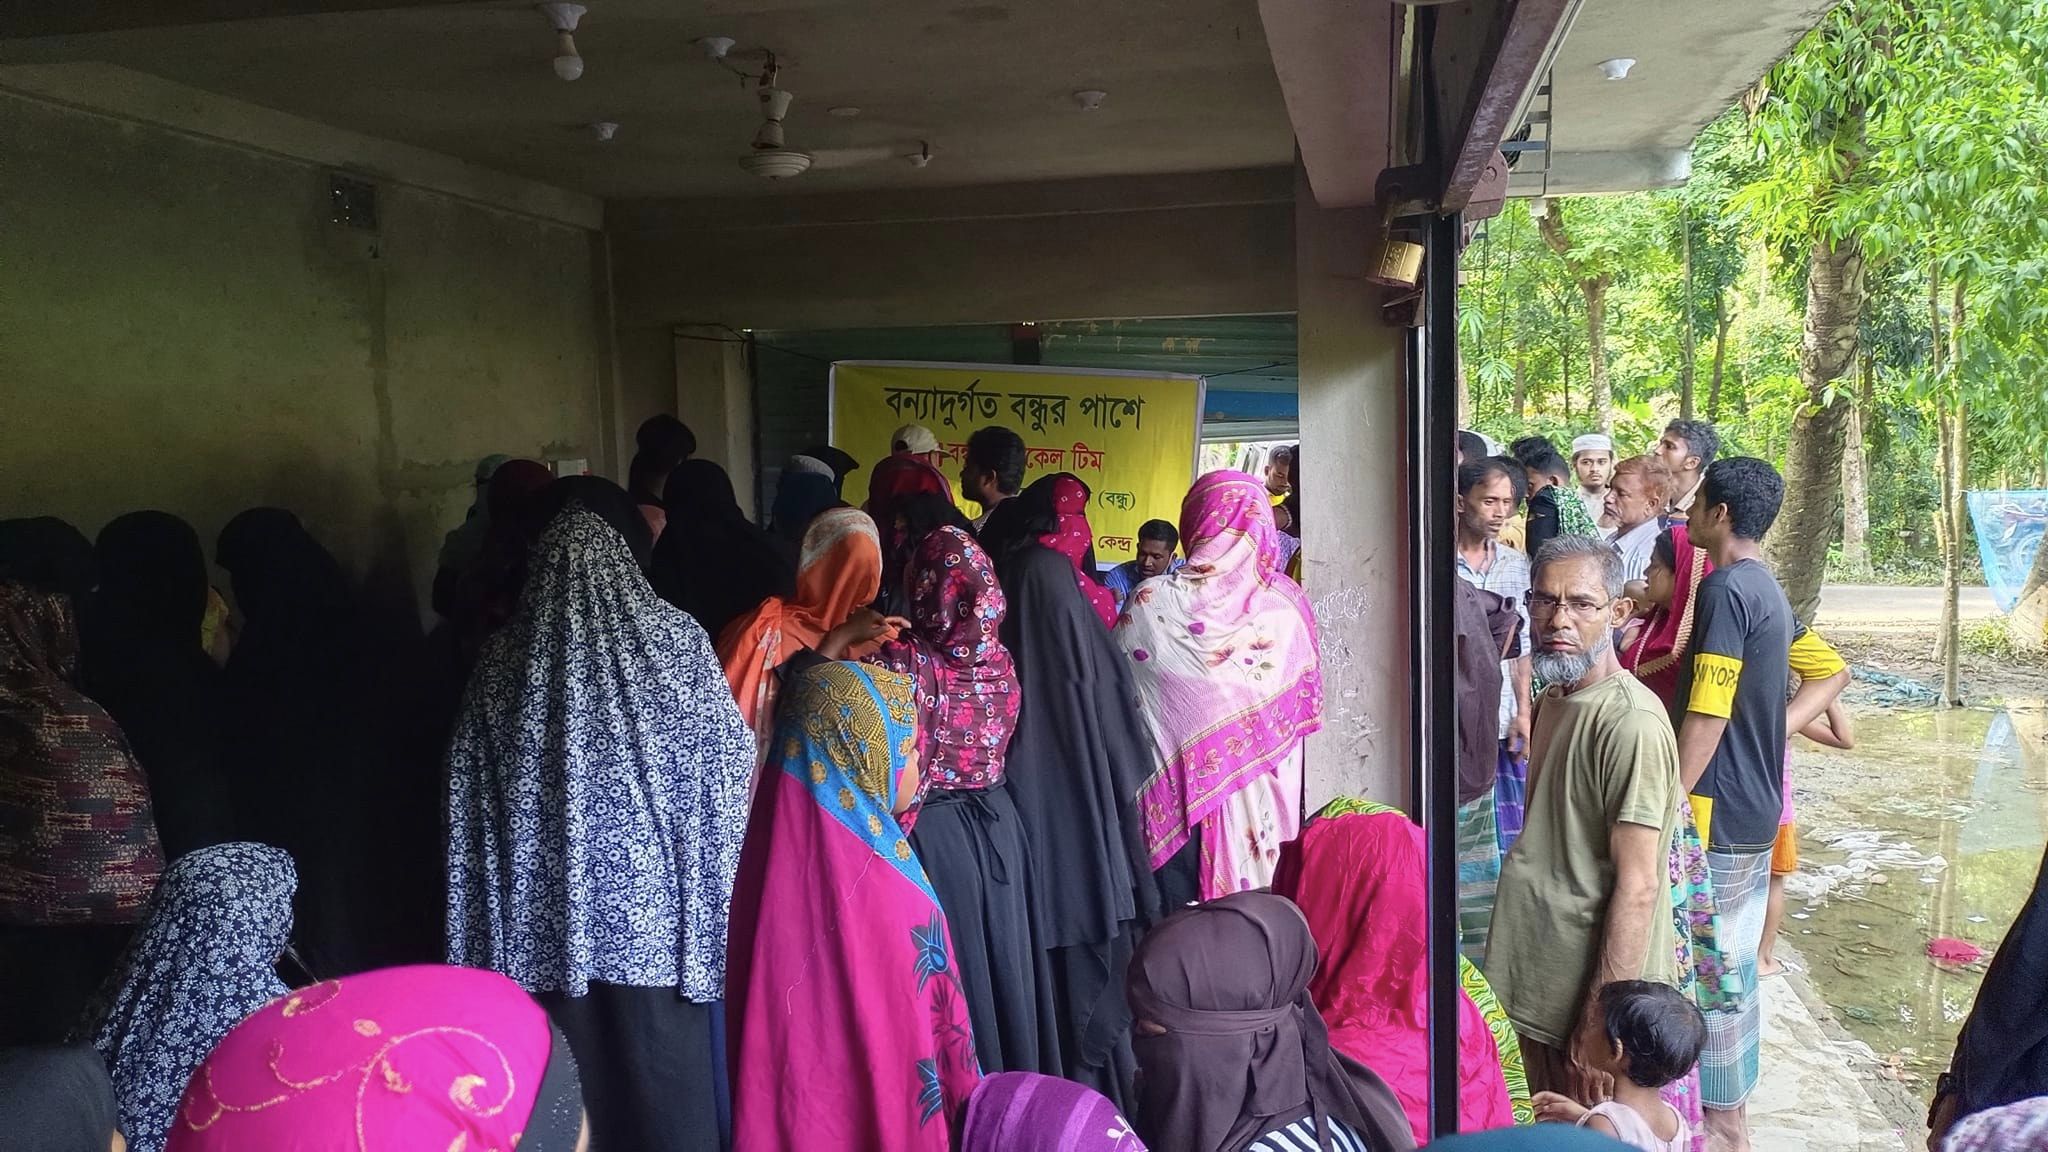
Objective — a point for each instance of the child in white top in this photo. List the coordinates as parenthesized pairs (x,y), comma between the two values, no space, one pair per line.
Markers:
(1654,1034)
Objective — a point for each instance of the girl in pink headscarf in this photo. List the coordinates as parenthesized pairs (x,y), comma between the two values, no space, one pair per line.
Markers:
(1075,540)
(1229,678)
(420,1057)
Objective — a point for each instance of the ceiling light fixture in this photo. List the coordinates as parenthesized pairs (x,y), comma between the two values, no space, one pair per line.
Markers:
(563,18)
(604,130)
(1617,68)
(1090,99)
(716,47)
(843,112)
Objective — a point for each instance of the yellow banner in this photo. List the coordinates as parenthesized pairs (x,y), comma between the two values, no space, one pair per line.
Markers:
(1130,436)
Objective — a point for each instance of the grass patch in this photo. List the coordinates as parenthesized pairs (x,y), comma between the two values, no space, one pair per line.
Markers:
(1992,638)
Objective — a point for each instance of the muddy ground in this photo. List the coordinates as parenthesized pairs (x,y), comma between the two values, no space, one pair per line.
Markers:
(1930,829)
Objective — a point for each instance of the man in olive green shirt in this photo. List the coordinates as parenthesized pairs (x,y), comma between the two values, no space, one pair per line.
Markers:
(1584,897)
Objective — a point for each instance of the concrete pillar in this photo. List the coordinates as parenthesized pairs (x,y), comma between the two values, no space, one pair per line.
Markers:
(1355,532)
(715,397)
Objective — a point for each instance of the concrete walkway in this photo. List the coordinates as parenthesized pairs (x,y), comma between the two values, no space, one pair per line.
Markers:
(1820,1091)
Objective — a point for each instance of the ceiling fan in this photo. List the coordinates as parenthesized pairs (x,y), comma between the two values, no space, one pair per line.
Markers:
(770,157)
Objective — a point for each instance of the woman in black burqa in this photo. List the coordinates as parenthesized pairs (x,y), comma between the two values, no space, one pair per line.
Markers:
(1233,1052)
(1077,762)
(711,561)
(312,759)
(145,665)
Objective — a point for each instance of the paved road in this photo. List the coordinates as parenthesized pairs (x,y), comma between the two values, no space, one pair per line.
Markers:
(1855,605)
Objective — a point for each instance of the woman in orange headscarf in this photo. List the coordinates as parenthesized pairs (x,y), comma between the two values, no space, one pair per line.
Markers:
(838,571)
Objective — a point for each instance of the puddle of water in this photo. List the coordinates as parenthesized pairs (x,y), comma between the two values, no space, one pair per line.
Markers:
(1968,787)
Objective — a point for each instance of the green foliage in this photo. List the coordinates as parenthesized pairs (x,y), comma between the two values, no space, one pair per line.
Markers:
(1918,128)
(1992,638)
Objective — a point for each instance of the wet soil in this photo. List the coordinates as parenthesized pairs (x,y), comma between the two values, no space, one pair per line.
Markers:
(1932,827)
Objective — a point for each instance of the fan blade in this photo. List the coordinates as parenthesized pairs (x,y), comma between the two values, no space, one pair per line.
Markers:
(829,158)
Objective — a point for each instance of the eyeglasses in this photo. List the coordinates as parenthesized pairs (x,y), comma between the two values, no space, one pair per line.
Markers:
(1580,606)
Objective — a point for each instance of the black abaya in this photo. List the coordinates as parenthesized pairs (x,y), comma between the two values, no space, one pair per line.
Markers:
(307,757)
(646,1060)
(2002,1052)
(975,852)
(144,665)
(1076,765)
(711,561)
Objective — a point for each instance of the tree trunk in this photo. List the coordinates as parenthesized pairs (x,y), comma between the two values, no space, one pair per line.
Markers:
(1593,286)
(2037,572)
(1521,382)
(1722,322)
(1813,456)
(1602,401)
(1946,647)
(1955,474)
(1936,360)
(1464,396)
(1564,379)
(1690,346)
(1856,480)
(2029,619)
(2028,622)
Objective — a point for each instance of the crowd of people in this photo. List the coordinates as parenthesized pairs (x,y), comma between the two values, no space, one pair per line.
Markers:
(881,827)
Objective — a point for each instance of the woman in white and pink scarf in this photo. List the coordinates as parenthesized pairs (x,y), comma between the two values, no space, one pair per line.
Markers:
(1224,654)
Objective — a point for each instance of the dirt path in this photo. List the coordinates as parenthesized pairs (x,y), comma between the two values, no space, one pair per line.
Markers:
(1865,607)
(1894,630)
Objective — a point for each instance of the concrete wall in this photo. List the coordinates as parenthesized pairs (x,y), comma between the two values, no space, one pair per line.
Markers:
(1193,244)
(182,327)
(1354,539)
(1197,244)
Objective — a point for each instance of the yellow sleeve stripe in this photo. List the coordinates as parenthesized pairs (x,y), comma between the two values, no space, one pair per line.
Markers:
(1714,678)
(1813,658)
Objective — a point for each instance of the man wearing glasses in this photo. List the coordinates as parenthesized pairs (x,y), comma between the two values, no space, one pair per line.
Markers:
(1584,895)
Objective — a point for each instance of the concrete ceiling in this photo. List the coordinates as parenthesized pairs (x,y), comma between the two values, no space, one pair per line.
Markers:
(1191,86)
(1694,58)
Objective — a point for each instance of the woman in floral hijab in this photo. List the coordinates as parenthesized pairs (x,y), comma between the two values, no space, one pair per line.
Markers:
(967,830)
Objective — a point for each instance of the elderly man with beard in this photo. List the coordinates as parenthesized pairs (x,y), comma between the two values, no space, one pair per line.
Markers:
(1584,895)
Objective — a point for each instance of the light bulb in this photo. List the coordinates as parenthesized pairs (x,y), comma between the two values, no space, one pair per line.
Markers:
(568,65)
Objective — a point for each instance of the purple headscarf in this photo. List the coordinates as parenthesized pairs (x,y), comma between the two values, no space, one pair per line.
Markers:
(2020,1127)
(1027,1112)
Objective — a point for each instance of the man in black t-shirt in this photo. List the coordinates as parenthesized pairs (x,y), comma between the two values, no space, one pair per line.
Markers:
(1731,754)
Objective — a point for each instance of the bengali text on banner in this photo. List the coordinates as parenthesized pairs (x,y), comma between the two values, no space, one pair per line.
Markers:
(1130,436)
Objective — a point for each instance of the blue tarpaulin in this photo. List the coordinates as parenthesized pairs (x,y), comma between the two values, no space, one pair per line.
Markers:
(2009,524)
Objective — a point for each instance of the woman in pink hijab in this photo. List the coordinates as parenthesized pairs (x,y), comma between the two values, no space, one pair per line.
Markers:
(1359,875)
(1075,540)
(419,1057)
(1224,654)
